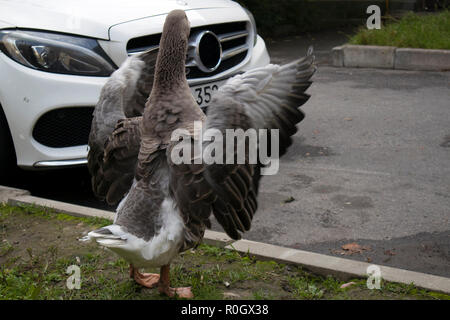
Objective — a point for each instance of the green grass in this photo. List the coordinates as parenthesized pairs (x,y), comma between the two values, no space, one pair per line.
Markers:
(49,213)
(431,31)
(38,245)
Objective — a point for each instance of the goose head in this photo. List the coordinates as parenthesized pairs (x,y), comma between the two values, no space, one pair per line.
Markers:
(176,26)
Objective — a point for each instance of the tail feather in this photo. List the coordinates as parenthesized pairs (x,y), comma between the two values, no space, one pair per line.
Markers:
(106,236)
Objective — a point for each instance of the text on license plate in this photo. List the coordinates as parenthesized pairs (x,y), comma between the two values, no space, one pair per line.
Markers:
(203,93)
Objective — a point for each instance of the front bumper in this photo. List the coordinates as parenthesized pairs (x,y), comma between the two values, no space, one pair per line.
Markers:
(27,94)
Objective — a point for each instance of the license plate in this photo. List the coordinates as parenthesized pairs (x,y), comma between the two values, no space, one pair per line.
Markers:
(203,93)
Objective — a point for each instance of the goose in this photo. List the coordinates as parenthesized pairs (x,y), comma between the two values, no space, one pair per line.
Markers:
(165,206)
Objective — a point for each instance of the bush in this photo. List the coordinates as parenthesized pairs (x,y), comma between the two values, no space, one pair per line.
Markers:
(430,31)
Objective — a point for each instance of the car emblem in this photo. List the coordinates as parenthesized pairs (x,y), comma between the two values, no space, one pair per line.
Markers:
(206,51)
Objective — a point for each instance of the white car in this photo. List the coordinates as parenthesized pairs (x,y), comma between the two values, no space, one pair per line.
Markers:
(55,56)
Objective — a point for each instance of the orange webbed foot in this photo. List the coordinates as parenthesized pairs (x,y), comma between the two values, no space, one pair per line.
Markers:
(148,280)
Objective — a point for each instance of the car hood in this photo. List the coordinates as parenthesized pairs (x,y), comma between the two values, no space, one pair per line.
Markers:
(92,18)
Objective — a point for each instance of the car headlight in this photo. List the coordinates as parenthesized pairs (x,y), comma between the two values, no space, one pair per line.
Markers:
(56,53)
(253,22)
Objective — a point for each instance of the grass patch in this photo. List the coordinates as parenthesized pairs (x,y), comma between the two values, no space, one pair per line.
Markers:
(38,245)
(431,31)
(49,213)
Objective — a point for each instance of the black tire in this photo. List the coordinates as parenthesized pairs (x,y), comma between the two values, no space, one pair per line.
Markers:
(8,161)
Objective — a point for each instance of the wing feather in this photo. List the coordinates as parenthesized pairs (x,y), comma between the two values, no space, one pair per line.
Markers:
(271,103)
(264,98)
(114,138)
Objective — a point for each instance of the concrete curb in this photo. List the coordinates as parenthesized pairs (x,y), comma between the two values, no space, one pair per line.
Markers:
(357,56)
(72,209)
(7,193)
(343,269)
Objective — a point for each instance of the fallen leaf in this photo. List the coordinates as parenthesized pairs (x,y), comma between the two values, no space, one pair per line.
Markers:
(348,119)
(290,199)
(351,248)
(348,284)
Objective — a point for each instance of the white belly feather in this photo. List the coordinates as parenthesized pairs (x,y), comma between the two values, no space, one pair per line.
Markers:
(158,251)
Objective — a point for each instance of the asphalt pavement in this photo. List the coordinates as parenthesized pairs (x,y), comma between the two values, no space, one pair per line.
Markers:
(370,165)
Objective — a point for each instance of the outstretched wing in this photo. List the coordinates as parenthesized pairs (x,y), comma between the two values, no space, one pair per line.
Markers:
(112,144)
(119,160)
(263,98)
(139,82)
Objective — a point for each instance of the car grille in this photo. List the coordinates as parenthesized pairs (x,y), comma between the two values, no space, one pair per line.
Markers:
(234,38)
(65,127)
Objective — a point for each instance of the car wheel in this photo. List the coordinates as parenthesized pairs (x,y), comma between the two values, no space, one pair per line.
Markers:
(8,162)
